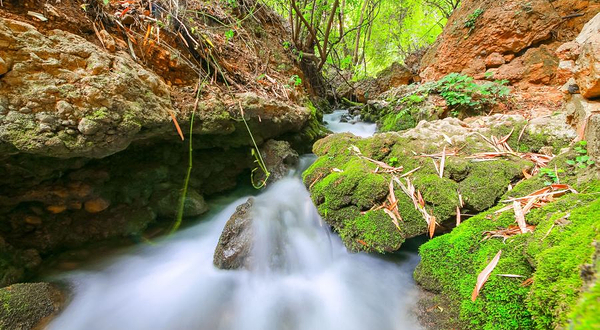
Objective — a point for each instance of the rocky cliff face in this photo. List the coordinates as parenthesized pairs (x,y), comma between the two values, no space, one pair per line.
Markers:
(91,101)
(513,40)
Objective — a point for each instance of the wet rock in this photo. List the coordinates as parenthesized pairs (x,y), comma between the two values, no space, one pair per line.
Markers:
(279,159)
(95,205)
(166,203)
(3,66)
(235,244)
(28,306)
(16,263)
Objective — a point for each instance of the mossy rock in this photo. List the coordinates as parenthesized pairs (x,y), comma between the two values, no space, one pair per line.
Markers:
(29,305)
(347,183)
(553,256)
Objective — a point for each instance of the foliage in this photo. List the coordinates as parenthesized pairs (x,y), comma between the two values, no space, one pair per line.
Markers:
(461,92)
(582,160)
(296,80)
(551,174)
(229,34)
(472,19)
(362,36)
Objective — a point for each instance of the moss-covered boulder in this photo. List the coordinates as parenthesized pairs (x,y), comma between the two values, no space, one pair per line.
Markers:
(349,186)
(548,269)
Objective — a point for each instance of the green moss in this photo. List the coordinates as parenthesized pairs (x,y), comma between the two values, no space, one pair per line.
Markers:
(487,181)
(450,265)
(585,315)
(354,185)
(372,231)
(397,121)
(529,141)
(413,223)
(440,195)
(562,243)
(101,113)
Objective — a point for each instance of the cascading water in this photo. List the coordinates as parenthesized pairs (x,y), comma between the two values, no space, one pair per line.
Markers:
(342,121)
(302,278)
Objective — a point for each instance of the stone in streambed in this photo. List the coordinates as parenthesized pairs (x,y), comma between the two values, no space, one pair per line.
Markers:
(27,306)
(236,241)
(279,158)
(166,203)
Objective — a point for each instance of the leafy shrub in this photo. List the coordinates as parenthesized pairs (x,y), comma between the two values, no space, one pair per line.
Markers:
(462,93)
(582,160)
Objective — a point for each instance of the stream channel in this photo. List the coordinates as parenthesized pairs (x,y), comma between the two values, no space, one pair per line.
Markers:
(313,283)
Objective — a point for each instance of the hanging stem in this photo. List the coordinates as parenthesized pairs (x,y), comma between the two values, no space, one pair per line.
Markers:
(257,156)
(186,182)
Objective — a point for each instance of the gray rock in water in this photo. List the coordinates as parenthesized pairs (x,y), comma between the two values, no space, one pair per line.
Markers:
(166,203)
(236,241)
(279,158)
(28,306)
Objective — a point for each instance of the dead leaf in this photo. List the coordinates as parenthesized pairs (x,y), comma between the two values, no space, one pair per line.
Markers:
(432,224)
(394,219)
(176,124)
(484,275)
(443,162)
(510,275)
(37,15)
(527,282)
(520,216)
(420,199)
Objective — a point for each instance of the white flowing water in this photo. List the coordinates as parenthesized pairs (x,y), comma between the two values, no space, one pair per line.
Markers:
(303,279)
(351,124)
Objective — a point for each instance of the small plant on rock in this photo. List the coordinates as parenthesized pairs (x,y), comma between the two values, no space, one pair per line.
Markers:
(551,175)
(472,19)
(461,92)
(582,160)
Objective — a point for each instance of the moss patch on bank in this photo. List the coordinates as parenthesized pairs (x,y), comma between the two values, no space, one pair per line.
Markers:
(553,256)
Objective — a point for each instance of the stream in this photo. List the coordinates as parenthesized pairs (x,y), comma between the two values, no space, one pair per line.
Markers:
(303,277)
